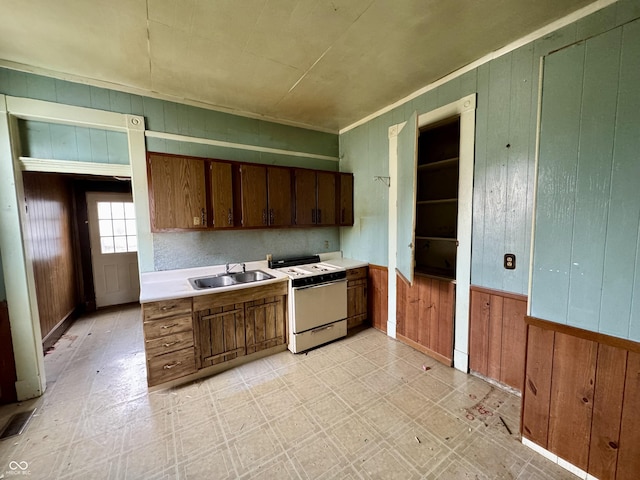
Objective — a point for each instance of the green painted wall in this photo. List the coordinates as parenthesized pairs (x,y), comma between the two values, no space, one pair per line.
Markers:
(587,235)
(507,96)
(60,142)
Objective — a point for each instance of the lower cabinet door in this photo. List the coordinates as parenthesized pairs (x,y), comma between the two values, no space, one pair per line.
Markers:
(169,366)
(220,334)
(265,323)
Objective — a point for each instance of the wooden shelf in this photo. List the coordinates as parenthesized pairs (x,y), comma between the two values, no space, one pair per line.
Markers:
(439,273)
(449,162)
(434,202)
(439,239)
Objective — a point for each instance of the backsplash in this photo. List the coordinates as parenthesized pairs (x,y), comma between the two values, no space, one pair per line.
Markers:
(198,249)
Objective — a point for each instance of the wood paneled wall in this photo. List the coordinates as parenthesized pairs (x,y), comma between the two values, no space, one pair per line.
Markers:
(497,336)
(581,396)
(424,316)
(7,361)
(50,238)
(378,297)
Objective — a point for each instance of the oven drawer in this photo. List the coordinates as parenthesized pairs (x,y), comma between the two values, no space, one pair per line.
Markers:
(299,342)
(318,305)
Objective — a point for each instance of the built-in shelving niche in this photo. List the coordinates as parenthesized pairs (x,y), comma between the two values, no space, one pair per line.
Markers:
(437,199)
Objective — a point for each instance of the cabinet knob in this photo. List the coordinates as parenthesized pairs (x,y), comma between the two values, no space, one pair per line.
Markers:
(272,217)
(264,216)
(230,217)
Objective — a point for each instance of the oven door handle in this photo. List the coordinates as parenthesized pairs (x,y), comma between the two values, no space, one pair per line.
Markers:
(320,285)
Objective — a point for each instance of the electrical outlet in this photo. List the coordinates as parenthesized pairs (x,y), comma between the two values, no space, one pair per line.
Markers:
(509,261)
(326,244)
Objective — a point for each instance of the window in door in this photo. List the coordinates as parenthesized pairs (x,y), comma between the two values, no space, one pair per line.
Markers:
(117,227)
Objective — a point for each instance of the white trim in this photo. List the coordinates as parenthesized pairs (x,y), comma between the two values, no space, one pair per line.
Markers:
(241,146)
(394,130)
(17,259)
(21,67)
(30,164)
(557,460)
(41,111)
(465,107)
(23,309)
(541,32)
(535,184)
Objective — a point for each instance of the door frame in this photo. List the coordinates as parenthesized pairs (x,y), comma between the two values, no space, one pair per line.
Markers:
(465,108)
(17,259)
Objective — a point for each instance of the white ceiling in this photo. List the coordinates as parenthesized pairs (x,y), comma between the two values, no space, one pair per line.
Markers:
(321,63)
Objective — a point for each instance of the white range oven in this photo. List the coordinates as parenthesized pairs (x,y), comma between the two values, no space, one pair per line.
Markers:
(317,301)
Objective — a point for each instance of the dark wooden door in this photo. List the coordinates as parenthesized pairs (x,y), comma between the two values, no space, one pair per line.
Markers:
(326,186)
(279,196)
(345,214)
(305,192)
(254,196)
(222,194)
(178,192)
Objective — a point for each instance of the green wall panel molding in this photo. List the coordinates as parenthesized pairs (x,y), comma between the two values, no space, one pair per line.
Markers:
(587,241)
(171,117)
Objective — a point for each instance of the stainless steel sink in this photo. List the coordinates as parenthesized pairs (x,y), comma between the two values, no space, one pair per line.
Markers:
(228,279)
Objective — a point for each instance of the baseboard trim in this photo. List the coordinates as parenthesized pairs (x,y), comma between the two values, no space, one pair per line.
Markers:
(56,332)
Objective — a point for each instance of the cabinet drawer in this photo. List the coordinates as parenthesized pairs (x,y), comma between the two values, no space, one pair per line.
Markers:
(169,343)
(167,326)
(166,308)
(162,368)
(356,273)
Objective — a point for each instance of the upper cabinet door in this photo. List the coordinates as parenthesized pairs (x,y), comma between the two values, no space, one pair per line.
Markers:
(305,193)
(406,218)
(222,194)
(345,213)
(326,207)
(279,196)
(178,192)
(254,196)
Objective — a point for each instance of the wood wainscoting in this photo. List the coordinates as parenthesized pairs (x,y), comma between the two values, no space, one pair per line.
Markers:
(424,316)
(378,297)
(48,198)
(497,335)
(581,398)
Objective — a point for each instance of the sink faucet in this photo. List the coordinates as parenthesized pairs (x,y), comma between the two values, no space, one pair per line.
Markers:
(229,266)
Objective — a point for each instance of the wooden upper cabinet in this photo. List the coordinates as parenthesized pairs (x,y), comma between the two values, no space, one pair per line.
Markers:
(266,196)
(326,198)
(279,198)
(254,195)
(315,194)
(345,211)
(305,193)
(222,194)
(177,192)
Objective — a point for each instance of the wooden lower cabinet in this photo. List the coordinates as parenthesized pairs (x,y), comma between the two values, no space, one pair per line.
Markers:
(356,296)
(265,323)
(168,336)
(239,322)
(185,335)
(220,333)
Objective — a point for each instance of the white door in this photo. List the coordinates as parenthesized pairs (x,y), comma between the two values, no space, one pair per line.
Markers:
(114,247)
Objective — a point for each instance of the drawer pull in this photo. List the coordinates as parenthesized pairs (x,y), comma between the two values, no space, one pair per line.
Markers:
(321,329)
(169,326)
(167,307)
(168,344)
(169,366)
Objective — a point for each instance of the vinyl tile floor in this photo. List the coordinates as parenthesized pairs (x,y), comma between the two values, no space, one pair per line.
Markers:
(364,407)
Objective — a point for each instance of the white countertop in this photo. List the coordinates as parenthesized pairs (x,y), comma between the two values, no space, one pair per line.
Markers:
(170,284)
